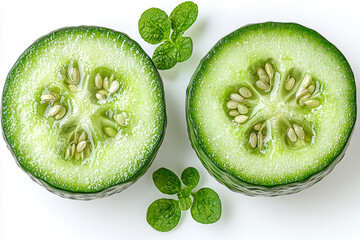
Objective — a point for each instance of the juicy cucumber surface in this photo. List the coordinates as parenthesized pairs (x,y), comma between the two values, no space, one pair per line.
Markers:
(223,144)
(38,142)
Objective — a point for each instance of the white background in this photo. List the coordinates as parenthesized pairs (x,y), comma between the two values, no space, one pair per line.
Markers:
(328,210)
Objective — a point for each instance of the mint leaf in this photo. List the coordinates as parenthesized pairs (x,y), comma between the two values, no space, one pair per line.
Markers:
(163,214)
(174,36)
(185,192)
(162,56)
(166,181)
(206,207)
(190,177)
(154,26)
(183,16)
(182,49)
(185,203)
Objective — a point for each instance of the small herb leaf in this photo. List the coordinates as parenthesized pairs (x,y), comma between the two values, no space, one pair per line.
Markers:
(206,207)
(162,56)
(182,49)
(183,16)
(185,203)
(163,214)
(190,177)
(185,192)
(154,25)
(174,36)
(166,181)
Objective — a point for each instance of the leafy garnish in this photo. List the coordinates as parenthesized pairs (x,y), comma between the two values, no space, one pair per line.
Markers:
(164,214)
(183,16)
(166,181)
(190,177)
(182,49)
(162,56)
(155,27)
(206,207)
(185,203)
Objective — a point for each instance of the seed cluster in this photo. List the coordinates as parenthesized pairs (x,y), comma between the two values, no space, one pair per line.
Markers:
(106,87)
(304,93)
(120,119)
(295,132)
(79,147)
(257,137)
(73,79)
(236,105)
(265,76)
(57,110)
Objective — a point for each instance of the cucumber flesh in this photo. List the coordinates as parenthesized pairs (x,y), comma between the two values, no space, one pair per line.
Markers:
(84,112)
(271,108)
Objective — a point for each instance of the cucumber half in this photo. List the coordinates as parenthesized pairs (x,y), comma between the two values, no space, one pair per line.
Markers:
(270,109)
(83,112)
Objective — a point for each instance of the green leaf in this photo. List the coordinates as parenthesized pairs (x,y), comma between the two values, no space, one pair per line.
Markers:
(162,56)
(174,36)
(185,203)
(185,192)
(182,49)
(206,207)
(166,181)
(183,16)
(190,177)
(154,25)
(163,214)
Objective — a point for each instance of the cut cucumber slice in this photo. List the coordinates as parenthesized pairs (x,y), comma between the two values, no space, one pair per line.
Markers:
(270,109)
(83,111)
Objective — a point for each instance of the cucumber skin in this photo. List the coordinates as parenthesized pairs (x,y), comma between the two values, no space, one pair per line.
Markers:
(229,180)
(116,188)
(93,195)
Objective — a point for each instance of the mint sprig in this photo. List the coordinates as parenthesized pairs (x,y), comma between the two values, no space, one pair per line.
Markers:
(164,214)
(155,27)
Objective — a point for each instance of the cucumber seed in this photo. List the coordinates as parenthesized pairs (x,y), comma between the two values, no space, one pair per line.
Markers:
(253,140)
(232,104)
(299,131)
(258,126)
(245,92)
(269,70)
(242,109)
(241,118)
(234,113)
(291,135)
(262,85)
(237,97)
(98,81)
(312,103)
(289,84)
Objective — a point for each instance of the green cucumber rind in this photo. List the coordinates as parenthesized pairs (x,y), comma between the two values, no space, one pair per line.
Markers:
(229,179)
(109,190)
